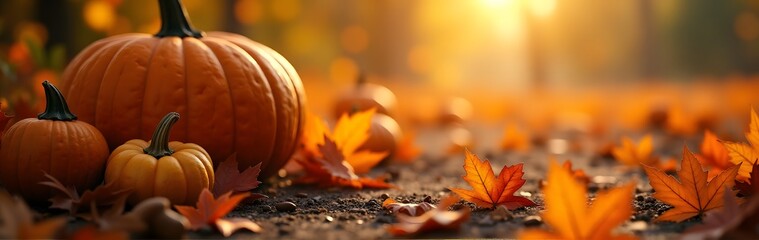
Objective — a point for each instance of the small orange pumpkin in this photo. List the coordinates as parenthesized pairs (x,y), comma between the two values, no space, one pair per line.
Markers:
(175,170)
(72,151)
(385,133)
(235,95)
(364,96)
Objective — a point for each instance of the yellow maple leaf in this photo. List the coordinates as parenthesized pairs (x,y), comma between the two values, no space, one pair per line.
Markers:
(568,214)
(745,153)
(351,131)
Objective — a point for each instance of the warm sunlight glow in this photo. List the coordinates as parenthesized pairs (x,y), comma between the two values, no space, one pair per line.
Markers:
(542,8)
(496,3)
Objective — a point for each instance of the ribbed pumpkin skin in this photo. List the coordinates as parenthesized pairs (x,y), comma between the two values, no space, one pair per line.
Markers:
(179,177)
(73,152)
(235,95)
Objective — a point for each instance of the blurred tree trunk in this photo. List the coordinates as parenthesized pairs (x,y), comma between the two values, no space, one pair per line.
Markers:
(649,59)
(535,57)
(230,22)
(55,16)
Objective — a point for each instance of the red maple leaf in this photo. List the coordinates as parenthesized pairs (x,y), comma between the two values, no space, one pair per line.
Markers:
(230,179)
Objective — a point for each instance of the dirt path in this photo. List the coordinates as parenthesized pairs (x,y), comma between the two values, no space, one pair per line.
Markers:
(357,214)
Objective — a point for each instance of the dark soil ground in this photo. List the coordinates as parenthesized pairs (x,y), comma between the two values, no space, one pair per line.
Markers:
(358,214)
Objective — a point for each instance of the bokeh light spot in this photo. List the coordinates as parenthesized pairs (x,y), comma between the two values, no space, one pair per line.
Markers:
(248,11)
(99,15)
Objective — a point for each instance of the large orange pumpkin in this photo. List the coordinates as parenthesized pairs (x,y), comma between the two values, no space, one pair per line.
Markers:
(72,151)
(236,95)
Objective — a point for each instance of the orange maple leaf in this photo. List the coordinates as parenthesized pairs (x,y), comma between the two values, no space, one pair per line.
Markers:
(313,133)
(515,139)
(350,133)
(490,191)
(745,153)
(435,219)
(412,209)
(714,155)
(330,169)
(569,216)
(209,212)
(631,154)
(693,194)
(406,151)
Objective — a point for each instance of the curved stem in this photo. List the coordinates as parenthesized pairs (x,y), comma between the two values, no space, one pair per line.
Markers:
(56,108)
(174,21)
(159,145)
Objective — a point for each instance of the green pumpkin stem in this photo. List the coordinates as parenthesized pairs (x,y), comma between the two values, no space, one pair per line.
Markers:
(159,145)
(174,21)
(56,108)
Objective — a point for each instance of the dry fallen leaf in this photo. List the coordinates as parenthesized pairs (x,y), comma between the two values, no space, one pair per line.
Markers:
(693,194)
(103,196)
(631,154)
(229,178)
(748,222)
(351,131)
(490,191)
(412,209)
(714,155)
(746,153)
(113,220)
(750,187)
(515,139)
(331,169)
(568,214)
(433,220)
(16,221)
(407,151)
(578,174)
(313,133)
(209,212)
(717,222)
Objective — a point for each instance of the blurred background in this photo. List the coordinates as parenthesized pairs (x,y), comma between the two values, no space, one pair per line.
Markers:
(686,64)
